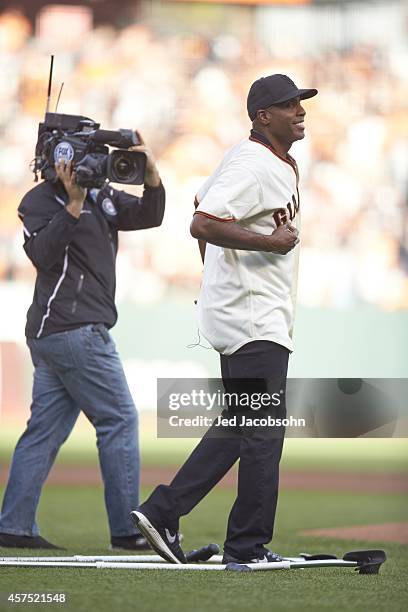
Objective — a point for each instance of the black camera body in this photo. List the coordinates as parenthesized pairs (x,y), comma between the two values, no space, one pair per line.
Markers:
(78,139)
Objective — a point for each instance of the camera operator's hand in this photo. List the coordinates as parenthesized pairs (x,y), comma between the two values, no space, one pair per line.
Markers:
(76,193)
(152,177)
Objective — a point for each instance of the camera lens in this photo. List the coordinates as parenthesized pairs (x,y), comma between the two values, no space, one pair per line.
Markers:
(126,167)
(122,167)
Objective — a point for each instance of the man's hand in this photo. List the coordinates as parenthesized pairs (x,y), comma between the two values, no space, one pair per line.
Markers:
(231,235)
(76,194)
(283,239)
(152,177)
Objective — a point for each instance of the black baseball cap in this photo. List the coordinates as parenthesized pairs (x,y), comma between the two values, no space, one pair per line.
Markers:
(274,89)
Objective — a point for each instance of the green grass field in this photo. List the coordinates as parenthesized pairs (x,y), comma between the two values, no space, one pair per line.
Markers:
(74,518)
(380,455)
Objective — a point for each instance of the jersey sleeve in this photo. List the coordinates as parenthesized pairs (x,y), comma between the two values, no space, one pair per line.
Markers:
(234,195)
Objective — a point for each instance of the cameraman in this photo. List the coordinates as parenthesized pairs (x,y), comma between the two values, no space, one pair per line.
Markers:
(71,237)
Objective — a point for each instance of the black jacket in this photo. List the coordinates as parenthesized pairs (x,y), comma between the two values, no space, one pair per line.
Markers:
(75,258)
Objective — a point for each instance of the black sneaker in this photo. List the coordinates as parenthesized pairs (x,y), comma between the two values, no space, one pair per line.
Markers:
(165,543)
(9,540)
(267,556)
(134,542)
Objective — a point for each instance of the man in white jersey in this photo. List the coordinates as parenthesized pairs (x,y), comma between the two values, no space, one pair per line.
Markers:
(247,224)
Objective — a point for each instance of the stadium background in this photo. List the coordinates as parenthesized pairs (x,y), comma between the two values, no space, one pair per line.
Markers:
(179,72)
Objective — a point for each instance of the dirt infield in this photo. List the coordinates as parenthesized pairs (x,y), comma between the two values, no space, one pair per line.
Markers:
(386,532)
(289,480)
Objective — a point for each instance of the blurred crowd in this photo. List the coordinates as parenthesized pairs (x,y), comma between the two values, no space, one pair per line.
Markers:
(187,95)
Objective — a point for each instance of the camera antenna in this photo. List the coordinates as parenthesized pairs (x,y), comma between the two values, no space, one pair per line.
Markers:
(47,107)
(59,95)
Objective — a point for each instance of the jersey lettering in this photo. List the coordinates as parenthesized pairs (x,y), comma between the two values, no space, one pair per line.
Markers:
(283,215)
(280,216)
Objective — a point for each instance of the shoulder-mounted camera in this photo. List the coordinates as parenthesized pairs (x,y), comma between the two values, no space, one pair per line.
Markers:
(79,139)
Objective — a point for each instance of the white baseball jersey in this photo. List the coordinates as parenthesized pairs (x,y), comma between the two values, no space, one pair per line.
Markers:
(249,295)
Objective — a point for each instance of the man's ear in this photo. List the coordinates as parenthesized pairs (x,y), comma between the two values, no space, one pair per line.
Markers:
(263,117)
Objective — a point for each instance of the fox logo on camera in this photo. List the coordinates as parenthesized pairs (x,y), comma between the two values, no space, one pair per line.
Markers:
(63,152)
(78,139)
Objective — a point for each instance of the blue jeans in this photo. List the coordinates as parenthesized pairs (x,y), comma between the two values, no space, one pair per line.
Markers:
(73,371)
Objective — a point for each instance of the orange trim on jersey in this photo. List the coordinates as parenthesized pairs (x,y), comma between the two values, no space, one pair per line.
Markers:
(288,160)
(200,212)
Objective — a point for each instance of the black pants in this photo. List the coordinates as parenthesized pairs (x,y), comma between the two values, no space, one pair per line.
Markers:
(251,520)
